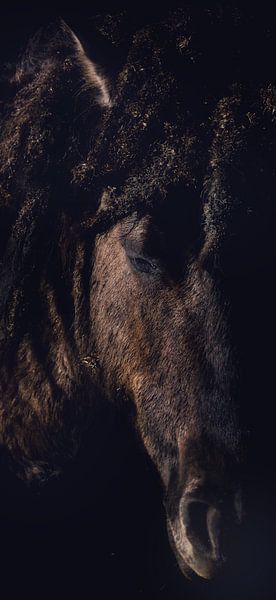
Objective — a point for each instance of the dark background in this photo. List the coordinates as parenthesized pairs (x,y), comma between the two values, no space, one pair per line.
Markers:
(99,532)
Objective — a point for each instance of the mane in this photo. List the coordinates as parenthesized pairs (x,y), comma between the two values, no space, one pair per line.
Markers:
(43,135)
(183,78)
(194,104)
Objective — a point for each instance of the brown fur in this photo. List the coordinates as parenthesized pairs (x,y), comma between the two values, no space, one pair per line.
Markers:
(116,258)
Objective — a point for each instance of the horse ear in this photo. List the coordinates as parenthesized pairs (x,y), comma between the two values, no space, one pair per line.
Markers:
(56,46)
(59,98)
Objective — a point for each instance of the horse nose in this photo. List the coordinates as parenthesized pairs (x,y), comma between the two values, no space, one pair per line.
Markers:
(210,526)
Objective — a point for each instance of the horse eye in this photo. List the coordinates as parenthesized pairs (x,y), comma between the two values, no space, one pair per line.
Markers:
(143,265)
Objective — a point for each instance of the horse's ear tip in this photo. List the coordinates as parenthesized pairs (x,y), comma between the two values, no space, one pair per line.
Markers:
(48,39)
(58,28)
(54,35)
(54,31)
(62,25)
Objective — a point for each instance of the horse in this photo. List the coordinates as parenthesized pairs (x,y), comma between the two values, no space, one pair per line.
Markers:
(136,224)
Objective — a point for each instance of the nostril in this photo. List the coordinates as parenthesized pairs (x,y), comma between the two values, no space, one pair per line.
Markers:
(207,525)
(214,530)
(196,523)
(203,528)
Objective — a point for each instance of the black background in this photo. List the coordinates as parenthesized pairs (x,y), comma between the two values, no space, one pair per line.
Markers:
(99,532)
